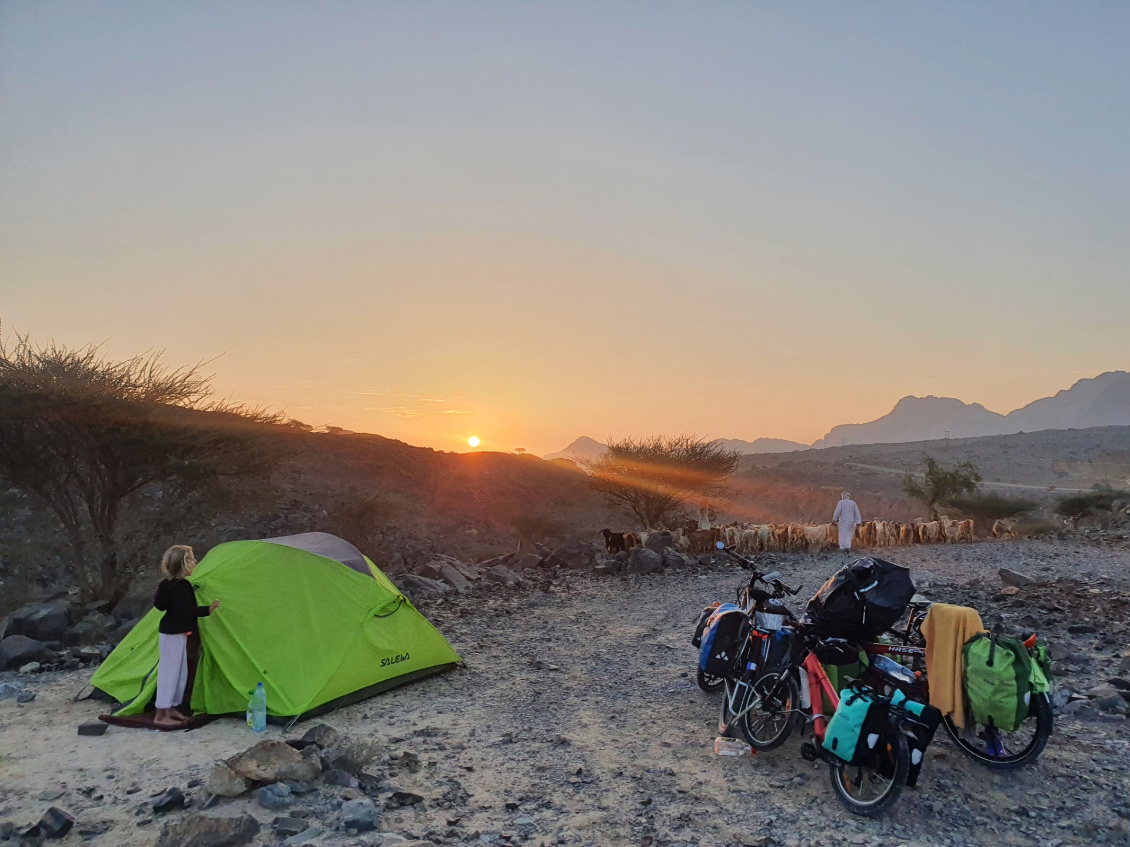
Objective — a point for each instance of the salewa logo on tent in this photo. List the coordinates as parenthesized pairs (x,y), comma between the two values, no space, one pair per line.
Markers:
(392,660)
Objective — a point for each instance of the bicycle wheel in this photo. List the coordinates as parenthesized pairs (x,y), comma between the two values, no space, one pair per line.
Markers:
(872,788)
(710,683)
(1007,750)
(769,725)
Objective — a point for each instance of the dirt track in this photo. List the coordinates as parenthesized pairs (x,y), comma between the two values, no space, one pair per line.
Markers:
(577,721)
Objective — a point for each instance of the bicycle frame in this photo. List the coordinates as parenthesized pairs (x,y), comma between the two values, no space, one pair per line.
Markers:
(819,686)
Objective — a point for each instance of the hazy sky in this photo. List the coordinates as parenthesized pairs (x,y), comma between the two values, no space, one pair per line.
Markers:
(534,221)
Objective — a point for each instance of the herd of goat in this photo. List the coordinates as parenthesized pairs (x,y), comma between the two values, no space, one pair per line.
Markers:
(810,538)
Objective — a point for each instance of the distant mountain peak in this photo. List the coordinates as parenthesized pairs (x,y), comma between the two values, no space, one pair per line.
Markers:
(582,448)
(1103,400)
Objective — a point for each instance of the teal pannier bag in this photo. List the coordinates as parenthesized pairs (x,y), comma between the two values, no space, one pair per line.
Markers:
(857,725)
(999,680)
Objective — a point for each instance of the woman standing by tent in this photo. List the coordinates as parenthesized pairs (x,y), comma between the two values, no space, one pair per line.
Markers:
(177,599)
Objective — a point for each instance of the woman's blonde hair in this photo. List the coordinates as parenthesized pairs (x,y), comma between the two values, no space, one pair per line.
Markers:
(175,561)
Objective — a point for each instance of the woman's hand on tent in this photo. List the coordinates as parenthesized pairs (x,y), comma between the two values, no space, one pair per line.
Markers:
(215,605)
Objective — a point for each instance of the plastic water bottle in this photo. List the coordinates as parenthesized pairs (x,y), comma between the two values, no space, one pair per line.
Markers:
(731,747)
(257,709)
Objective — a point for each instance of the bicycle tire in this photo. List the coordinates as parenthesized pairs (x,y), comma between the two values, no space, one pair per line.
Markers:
(709,683)
(781,711)
(1041,713)
(837,771)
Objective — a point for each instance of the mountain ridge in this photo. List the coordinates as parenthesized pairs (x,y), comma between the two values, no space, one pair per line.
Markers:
(1102,400)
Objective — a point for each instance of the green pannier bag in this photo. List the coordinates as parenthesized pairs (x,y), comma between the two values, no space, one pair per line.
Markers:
(998,680)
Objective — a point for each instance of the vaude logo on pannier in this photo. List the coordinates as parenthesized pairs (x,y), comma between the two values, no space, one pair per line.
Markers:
(392,660)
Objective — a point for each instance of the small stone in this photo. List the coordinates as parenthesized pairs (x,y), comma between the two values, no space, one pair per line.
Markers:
(10,690)
(404,798)
(1081,629)
(324,735)
(275,796)
(288,826)
(1010,591)
(30,667)
(344,778)
(55,823)
(205,831)
(169,801)
(304,837)
(1014,578)
(93,728)
(359,815)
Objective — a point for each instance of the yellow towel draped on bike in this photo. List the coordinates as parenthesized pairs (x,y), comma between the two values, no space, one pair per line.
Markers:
(946,629)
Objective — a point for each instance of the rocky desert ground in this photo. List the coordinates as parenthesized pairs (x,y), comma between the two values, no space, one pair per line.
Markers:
(577,721)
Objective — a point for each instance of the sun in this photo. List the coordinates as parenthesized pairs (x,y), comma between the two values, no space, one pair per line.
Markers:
(473,441)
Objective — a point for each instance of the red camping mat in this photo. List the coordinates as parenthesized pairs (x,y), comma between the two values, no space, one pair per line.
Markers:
(148,720)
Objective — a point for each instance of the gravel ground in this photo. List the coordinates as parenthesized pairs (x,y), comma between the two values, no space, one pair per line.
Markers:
(577,721)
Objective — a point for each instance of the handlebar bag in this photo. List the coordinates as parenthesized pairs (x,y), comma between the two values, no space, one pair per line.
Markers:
(861,600)
(858,725)
(726,631)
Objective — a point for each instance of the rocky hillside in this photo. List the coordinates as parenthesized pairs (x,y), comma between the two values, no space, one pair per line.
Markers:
(1036,465)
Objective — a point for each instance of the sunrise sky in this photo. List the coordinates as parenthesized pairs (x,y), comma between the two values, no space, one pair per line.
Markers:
(529,222)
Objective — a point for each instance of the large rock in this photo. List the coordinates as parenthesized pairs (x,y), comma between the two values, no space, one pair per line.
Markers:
(41,621)
(93,629)
(524,562)
(659,541)
(224,782)
(133,607)
(642,560)
(432,570)
(1016,578)
(672,558)
(272,760)
(120,632)
(502,575)
(451,575)
(18,650)
(572,555)
(359,815)
(203,831)
(415,585)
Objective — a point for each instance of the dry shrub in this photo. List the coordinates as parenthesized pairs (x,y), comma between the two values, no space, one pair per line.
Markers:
(1036,528)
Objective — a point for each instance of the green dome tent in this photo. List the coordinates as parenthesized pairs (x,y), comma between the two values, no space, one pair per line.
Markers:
(307,615)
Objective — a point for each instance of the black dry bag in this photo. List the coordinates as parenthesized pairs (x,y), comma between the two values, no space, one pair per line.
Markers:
(861,600)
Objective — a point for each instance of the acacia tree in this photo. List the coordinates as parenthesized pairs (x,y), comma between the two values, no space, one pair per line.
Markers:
(655,478)
(941,485)
(118,451)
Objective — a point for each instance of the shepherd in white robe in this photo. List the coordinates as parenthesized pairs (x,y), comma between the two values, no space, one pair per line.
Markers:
(848,517)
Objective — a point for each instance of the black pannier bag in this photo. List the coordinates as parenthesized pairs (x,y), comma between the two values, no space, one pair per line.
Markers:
(726,631)
(780,648)
(700,626)
(861,600)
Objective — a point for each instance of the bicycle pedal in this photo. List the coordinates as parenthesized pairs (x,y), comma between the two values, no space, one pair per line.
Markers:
(808,752)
